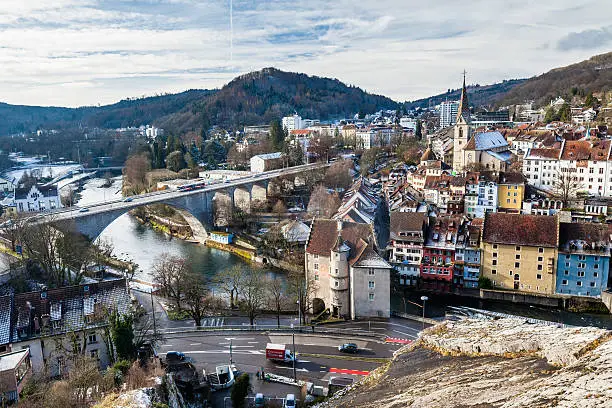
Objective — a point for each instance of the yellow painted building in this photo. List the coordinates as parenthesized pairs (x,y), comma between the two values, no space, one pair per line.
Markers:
(510,192)
(520,252)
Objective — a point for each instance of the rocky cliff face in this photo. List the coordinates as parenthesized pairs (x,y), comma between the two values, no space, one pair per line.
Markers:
(502,363)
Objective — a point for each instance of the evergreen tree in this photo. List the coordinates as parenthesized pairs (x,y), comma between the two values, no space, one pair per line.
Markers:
(277,135)
(565,113)
(550,115)
(122,333)
(241,389)
(591,101)
(418,132)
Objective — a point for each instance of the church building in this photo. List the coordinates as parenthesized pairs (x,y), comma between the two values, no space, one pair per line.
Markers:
(482,150)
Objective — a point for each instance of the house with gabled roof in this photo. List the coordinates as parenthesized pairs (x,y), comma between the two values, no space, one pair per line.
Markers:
(345,273)
(53,323)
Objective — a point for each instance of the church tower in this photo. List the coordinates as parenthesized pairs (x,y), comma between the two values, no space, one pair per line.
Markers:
(462,131)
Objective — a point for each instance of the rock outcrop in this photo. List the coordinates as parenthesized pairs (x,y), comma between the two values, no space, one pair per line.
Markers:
(493,363)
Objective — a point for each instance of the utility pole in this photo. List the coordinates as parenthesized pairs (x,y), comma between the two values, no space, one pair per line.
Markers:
(424,299)
(294,357)
(231,356)
(154,320)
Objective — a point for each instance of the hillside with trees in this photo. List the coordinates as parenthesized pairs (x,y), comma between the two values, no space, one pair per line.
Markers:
(262,96)
(479,95)
(591,76)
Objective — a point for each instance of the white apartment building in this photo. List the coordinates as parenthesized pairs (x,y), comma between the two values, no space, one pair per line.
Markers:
(588,160)
(448,113)
(292,122)
(409,123)
(480,195)
(373,137)
(406,239)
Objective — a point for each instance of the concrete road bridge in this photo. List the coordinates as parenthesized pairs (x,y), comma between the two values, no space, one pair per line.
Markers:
(196,206)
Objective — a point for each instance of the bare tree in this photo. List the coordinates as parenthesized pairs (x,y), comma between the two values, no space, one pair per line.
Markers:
(279,209)
(338,175)
(230,281)
(253,295)
(12,228)
(170,273)
(566,185)
(301,290)
(200,303)
(277,296)
(135,171)
(62,255)
(322,202)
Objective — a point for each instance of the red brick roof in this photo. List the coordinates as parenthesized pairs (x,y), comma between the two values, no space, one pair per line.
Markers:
(324,234)
(521,229)
(407,221)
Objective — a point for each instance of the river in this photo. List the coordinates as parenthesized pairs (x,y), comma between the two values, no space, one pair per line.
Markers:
(142,245)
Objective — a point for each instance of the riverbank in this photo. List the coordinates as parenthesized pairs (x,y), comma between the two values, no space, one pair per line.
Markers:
(146,216)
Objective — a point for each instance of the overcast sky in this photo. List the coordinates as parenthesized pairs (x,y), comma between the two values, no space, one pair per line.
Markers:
(85,52)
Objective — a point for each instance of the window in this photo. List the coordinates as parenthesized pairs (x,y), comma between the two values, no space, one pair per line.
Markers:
(336,283)
(371,284)
(93,354)
(595,275)
(371,297)
(581,265)
(92,338)
(540,267)
(538,276)
(593,284)
(336,271)
(567,264)
(564,282)
(596,266)
(518,248)
(494,246)
(494,262)
(579,283)
(316,256)
(517,256)
(517,264)
(494,254)
(493,271)
(371,272)
(316,267)
(581,274)
(566,272)
(541,250)
(316,277)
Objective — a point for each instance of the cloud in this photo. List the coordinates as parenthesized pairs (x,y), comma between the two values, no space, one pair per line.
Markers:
(77,52)
(586,40)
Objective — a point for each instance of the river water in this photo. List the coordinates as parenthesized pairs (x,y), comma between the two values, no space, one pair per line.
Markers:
(141,244)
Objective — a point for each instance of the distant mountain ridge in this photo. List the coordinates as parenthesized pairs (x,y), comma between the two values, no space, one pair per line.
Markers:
(479,95)
(592,75)
(261,96)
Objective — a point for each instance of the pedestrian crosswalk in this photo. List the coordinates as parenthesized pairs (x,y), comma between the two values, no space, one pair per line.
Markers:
(213,322)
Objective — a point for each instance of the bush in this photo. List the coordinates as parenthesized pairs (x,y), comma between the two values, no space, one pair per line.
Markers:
(122,365)
(242,388)
(484,283)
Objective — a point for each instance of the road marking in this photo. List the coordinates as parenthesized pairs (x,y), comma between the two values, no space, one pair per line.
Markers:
(396,340)
(166,345)
(235,346)
(239,338)
(195,344)
(253,342)
(303,370)
(256,352)
(405,334)
(347,371)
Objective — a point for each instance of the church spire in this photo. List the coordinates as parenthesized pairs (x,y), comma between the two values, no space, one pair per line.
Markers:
(464,105)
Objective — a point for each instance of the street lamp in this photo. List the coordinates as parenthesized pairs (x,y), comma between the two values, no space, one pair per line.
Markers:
(424,299)
(299,313)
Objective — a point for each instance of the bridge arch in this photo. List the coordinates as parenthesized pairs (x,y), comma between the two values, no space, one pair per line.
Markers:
(93,224)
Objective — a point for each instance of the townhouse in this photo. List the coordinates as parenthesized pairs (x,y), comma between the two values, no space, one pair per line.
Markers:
(437,266)
(468,255)
(519,251)
(480,194)
(407,235)
(584,259)
(510,192)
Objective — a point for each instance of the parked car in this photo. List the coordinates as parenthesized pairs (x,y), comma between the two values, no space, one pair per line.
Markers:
(289,401)
(348,348)
(260,401)
(84,210)
(128,200)
(295,209)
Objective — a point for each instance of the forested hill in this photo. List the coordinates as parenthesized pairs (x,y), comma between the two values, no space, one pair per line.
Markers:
(591,76)
(479,95)
(261,96)
(128,112)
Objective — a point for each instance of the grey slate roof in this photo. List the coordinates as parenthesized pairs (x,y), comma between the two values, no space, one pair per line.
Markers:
(5,319)
(489,140)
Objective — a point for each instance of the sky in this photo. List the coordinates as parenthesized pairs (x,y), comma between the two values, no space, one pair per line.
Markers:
(89,52)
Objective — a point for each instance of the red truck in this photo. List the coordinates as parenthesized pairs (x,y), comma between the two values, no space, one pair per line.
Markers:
(279,352)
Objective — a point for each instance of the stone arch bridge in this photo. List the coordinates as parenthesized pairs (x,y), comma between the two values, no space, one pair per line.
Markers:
(196,206)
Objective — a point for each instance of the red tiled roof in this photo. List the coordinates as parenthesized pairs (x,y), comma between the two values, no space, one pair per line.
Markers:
(300,132)
(407,221)
(521,229)
(323,236)
(544,153)
(586,150)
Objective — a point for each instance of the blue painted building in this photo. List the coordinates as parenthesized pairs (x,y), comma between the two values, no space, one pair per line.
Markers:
(583,262)
(468,258)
